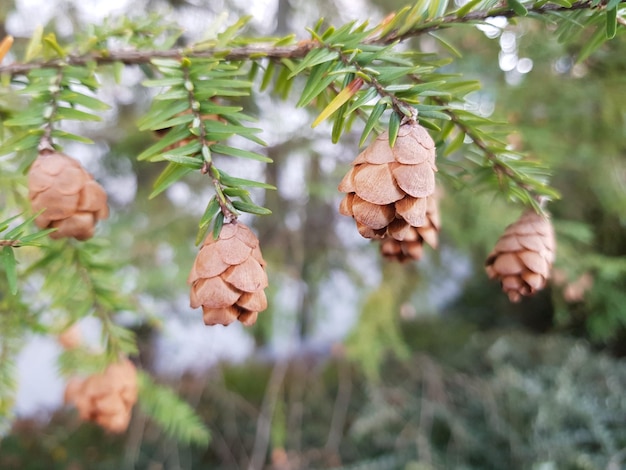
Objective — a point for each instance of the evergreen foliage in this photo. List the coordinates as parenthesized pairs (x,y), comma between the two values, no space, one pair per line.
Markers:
(356,76)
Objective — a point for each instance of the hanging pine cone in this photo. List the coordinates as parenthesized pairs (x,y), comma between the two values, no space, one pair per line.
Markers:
(387,184)
(228,277)
(106,398)
(72,199)
(523,256)
(404,242)
(71,337)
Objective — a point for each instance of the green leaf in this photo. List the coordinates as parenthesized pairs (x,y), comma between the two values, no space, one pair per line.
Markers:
(211,210)
(563,3)
(161,112)
(237,192)
(338,124)
(34,48)
(63,112)
(21,142)
(175,416)
(175,121)
(172,173)
(432,114)
(172,137)
(455,144)
(69,136)
(174,94)
(375,115)
(212,108)
(50,40)
(189,149)
(230,32)
(33,237)
(235,182)
(218,224)
(202,231)
(611,22)
(10,268)
(251,208)
(26,119)
(466,8)
(592,44)
(217,130)
(166,63)
(453,50)
(517,7)
(235,152)
(283,82)
(5,223)
(268,75)
(363,98)
(317,82)
(313,58)
(394,127)
(90,102)
(163,82)
(193,163)
(428,124)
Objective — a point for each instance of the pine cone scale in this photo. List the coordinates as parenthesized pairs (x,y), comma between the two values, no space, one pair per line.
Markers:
(376,184)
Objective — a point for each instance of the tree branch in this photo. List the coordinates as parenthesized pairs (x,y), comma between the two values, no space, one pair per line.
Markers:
(269,50)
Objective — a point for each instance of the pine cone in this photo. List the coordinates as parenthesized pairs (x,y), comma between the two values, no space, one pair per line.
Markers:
(404,242)
(387,184)
(106,398)
(523,256)
(71,337)
(72,199)
(228,277)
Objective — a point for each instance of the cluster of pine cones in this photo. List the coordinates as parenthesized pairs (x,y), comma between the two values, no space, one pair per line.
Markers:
(390,193)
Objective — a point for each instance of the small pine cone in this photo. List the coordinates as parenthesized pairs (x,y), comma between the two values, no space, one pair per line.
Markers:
(523,256)
(106,398)
(228,277)
(72,199)
(71,337)
(386,184)
(404,242)
(576,291)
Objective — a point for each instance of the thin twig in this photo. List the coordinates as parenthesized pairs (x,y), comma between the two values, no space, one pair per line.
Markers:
(264,423)
(207,166)
(13,243)
(340,410)
(45,143)
(269,50)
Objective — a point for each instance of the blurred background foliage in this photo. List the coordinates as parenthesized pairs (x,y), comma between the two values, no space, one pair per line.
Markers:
(362,365)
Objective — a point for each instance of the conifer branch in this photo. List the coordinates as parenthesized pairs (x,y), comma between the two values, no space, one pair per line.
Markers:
(270,50)
(45,143)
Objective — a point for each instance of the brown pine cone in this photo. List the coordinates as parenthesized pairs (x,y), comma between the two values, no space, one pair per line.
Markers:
(387,184)
(404,242)
(72,199)
(71,337)
(523,256)
(228,277)
(106,398)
